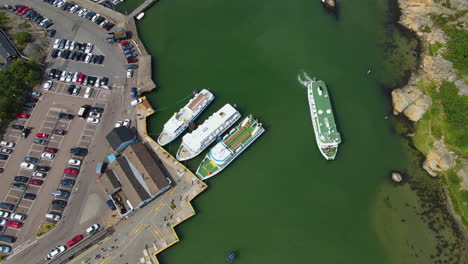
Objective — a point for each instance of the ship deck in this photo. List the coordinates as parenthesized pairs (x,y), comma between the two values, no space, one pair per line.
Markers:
(197,102)
(328,133)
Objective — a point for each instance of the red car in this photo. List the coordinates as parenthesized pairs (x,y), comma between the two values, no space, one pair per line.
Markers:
(22,115)
(14,224)
(124,43)
(71,171)
(35,182)
(50,150)
(42,135)
(74,240)
(24,11)
(109,26)
(20,8)
(80,78)
(133,60)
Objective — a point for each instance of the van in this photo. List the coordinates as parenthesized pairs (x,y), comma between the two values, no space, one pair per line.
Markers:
(7,206)
(8,239)
(17,216)
(83,112)
(54,217)
(88,92)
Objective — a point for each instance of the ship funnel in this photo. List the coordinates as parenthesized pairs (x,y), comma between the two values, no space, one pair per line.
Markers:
(257,128)
(246,120)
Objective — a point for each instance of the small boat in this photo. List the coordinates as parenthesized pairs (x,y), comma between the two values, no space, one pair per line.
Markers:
(140,16)
(231,257)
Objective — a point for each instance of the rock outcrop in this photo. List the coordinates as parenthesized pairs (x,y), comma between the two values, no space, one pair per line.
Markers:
(439,159)
(410,101)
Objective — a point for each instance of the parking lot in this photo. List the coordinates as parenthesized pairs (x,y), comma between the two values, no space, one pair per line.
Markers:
(98,94)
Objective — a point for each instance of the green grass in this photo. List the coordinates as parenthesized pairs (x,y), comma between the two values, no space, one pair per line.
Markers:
(24,25)
(45,228)
(2,257)
(434,48)
(425,28)
(459,197)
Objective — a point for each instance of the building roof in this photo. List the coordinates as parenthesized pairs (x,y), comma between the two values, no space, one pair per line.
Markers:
(110,181)
(6,47)
(139,173)
(119,135)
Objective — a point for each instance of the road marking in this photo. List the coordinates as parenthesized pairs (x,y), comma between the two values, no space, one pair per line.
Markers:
(23,248)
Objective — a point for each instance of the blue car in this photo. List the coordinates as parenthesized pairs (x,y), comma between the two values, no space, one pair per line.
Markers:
(133,92)
(111,205)
(67,182)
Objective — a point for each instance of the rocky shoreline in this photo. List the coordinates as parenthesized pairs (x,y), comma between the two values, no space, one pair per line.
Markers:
(412,101)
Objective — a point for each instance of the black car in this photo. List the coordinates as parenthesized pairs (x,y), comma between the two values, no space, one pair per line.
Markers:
(54,53)
(70,89)
(51,33)
(22,179)
(66,116)
(73,55)
(1,170)
(31,15)
(59,203)
(97,109)
(19,127)
(3,157)
(59,131)
(101,59)
(29,196)
(57,74)
(62,43)
(19,186)
(82,56)
(52,74)
(32,99)
(99,20)
(48,24)
(66,54)
(127,47)
(25,133)
(104,81)
(38,19)
(42,168)
(79,151)
(132,66)
(40,141)
(91,80)
(28,13)
(29,105)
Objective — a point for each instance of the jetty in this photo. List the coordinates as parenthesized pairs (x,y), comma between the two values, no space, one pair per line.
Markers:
(140,9)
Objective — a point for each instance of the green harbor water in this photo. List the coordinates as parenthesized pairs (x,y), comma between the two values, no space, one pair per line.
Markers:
(280,201)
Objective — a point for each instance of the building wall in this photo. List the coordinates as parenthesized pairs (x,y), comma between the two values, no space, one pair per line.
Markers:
(124,145)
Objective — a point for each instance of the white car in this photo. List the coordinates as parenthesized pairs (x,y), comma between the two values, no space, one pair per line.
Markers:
(26,165)
(96,16)
(88,57)
(39,174)
(92,120)
(43,21)
(129,73)
(63,76)
(3,221)
(54,217)
(55,252)
(98,81)
(56,43)
(67,45)
(92,228)
(88,92)
(4,214)
(7,144)
(16,216)
(118,124)
(72,45)
(126,123)
(89,47)
(80,13)
(74,162)
(73,9)
(75,76)
(136,102)
(94,115)
(69,76)
(47,155)
(47,85)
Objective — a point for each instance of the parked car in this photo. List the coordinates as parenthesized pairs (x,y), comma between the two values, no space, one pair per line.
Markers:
(61,193)
(19,127)
(92,229)
(55,252)
(42,135)
(59,203)
(6,150)
(111,204)
(47,85)
(54,217)
(94,115)
(51,33)
(8,239)
(66,116)
(133,92)
(118,124)
(7,144)
(31,159)
(40,141)
(42,168)
(17,216)
(23,115)
(58,131)
(36,182)
(5,249)
(71,171)
(34,93)
(4,214)
(7,206)
(18,186)
(79,151)
(14,224)
(136,102)
(97,109)
(22,179)
(50,150)
(29,196)
(67,182)
(29,105)
(92,120)
(3,157)
(47,155)
(39,174)
(126,123)
(74,162)
(56,45)
(26,165)
(74,240)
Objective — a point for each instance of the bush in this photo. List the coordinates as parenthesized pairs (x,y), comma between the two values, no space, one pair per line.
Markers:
(24,25)
(44,228)
(434,48)
(425,28)
(22,38)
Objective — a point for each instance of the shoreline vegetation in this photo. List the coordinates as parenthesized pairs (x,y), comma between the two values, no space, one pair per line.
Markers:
(435,99)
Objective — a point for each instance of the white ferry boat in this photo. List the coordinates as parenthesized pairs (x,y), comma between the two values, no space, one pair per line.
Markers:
(195,142)
(180,121)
